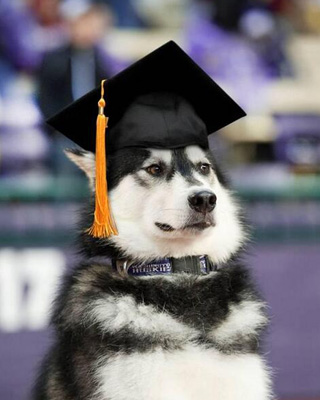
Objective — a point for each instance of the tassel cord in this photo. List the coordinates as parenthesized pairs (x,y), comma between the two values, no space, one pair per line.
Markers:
(103,225)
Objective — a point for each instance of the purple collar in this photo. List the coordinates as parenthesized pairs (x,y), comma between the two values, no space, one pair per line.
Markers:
(197,265)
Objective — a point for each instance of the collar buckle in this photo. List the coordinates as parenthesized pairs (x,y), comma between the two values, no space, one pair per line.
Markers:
(122,267)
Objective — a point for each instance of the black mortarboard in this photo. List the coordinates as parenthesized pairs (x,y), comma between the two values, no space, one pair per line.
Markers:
(164,100)
(190,107)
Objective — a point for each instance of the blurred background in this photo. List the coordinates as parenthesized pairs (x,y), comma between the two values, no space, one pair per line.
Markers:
(265,54)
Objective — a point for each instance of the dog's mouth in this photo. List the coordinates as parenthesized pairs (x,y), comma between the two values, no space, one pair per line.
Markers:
(199,226)
(191,225)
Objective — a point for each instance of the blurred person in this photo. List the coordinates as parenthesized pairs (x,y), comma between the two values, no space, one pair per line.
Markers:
(74,69)
(47,12)
(292,13)
(26,34)
(248,41)
(49,31)
(9,43)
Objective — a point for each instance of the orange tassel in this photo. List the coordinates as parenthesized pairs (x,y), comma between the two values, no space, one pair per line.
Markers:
(103,225)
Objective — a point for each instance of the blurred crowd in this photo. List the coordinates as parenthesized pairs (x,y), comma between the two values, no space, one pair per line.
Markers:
(54,51)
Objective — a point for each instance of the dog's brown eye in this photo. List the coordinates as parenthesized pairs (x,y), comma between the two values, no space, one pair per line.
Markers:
(154,170)
(205,168)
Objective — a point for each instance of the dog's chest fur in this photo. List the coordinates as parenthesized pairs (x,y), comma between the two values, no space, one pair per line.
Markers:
(183,337)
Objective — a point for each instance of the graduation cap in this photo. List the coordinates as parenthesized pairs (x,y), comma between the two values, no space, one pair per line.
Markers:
(164,100)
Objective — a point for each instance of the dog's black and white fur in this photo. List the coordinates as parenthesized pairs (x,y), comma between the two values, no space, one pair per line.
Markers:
(176,337)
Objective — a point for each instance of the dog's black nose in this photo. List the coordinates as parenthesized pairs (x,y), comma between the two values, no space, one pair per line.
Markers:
(203,202)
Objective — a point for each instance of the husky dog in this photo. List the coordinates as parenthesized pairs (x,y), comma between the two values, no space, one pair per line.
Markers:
(159,336)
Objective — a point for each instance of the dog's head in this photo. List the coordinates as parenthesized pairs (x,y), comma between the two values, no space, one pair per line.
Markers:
(167,203)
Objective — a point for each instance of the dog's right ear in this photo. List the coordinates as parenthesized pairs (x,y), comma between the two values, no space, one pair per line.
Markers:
(85,160)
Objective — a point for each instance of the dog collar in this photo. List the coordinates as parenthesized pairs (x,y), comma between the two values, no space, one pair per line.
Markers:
(197,265)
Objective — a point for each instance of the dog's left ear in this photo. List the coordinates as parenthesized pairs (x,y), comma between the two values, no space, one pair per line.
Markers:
(85,160)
